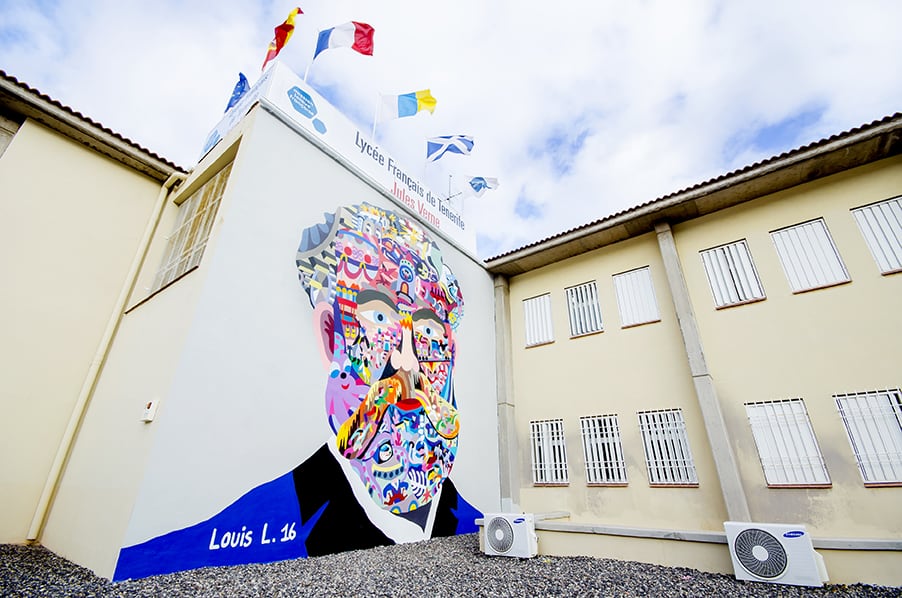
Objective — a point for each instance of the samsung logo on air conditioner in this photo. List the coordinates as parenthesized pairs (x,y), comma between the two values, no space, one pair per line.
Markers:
(519,520)
(794,534)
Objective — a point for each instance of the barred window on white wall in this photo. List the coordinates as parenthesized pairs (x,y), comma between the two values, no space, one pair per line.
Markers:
(881,225)
(582,304)
(192,229)
(787,447)
(873,422)
(537,313)
(549,452)
(667,455)
(602,449)
(731,274)
(809,257)
(636,297)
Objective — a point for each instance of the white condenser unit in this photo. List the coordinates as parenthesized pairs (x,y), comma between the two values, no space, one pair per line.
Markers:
(510,534)
(774,553)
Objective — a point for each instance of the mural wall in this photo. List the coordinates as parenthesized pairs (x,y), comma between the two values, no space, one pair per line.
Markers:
(386,309)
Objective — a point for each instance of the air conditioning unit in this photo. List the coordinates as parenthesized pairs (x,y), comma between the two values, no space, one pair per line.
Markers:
(510,534)
(774,553)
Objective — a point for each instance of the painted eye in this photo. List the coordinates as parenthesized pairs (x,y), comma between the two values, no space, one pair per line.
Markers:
(384,453)
(376,316)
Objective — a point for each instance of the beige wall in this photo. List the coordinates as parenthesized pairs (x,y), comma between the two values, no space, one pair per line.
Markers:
(620,370)
(63,265)
(97,494)
(810,345)
(877,567)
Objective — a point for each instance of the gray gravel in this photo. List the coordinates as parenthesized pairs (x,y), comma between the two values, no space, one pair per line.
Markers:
(441,567)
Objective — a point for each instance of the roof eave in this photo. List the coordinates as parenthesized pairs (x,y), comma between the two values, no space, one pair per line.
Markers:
(857,148)
(25,102)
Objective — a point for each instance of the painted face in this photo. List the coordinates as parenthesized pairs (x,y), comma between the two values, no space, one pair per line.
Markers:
(389,397)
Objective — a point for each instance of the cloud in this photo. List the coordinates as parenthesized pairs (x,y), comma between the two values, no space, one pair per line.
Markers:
(580,109)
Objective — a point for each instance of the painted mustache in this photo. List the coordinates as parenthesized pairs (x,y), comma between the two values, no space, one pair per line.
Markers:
(357,432)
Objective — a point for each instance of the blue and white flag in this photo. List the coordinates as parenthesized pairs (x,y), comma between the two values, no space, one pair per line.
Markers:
(479,185)
(240,89)
(436,147)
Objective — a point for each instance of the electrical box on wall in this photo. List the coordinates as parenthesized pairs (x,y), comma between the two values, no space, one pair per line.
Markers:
(150,410)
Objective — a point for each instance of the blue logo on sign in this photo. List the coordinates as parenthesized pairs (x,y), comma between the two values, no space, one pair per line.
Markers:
(519,520)
(303,103)
(794,534)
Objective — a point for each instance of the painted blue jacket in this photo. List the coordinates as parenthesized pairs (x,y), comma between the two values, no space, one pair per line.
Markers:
(309,511)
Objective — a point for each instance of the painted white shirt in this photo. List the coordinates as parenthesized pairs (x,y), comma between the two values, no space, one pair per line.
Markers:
(397,528)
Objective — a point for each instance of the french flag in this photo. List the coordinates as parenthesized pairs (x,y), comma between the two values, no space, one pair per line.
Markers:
(354,35)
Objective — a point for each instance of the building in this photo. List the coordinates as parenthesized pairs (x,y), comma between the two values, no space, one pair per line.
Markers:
(174,337)
(727,352)
(78,208)
(234,345)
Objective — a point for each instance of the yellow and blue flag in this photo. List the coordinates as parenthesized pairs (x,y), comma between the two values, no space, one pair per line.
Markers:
(407,104)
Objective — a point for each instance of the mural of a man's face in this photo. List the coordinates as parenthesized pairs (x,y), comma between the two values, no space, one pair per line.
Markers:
(386,307)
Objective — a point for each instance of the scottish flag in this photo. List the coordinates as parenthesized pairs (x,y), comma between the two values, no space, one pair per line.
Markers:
(436,147)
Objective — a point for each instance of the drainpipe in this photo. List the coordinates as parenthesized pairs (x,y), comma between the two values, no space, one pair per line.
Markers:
(67,442)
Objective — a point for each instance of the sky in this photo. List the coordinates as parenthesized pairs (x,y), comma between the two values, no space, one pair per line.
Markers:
(580,109)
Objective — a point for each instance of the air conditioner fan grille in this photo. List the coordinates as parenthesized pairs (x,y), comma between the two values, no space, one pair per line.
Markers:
(760,553)
(500,534)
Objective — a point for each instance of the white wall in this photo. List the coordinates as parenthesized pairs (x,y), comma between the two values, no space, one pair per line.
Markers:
(233,360)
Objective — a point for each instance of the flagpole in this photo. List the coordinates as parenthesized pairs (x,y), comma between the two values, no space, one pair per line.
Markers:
(376,114)
(309,64)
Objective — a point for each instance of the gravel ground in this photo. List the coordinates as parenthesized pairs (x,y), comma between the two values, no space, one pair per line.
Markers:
(441,567)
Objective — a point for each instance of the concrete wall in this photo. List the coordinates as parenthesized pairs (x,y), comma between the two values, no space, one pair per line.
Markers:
(229,352)
(70,224)
(620,370)
(876,567)
(809,345)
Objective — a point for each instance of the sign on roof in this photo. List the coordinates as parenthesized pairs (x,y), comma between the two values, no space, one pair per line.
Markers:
(290,96)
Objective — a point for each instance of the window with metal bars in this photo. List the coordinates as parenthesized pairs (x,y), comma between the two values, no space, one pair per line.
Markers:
(603,450)
(881,226)
(731,274)
(636,297)
(873,422)
(549,452)
(667,455)
(192,229)
(537,313)
(582,304)
(787,447)
(810,259)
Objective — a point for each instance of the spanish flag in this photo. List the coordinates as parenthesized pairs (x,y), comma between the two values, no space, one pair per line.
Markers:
(282,35)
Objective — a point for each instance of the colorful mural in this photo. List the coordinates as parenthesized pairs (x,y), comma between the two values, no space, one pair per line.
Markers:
(386,308)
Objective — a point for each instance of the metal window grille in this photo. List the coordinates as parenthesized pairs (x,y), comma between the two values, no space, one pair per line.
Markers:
(731,274)
(192,229)
(667,455)
(602,449)
(636,297)
(786,443)
(549,452)
(873,421)
(537,312)
(809,257)
(881,226)
(582,303)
